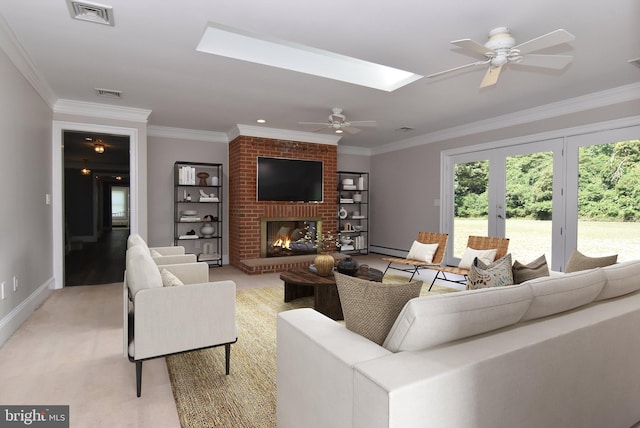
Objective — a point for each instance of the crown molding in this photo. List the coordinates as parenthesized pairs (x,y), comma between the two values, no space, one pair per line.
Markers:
(282,134)
(187,134)
(354,150)
(104,111)
(605,98)
(19,57)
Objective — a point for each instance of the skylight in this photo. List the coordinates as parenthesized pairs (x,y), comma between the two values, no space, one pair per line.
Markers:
(233,43)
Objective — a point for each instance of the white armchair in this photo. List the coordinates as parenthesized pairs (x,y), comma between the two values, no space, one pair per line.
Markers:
(161,320)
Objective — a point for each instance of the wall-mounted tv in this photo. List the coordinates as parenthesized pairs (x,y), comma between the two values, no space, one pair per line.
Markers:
(289,180)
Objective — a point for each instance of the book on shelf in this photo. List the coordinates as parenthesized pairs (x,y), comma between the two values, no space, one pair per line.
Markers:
(187,175)
(188,219)
(188,237)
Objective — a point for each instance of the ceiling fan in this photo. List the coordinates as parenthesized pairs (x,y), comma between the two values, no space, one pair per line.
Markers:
(501,49)
(338,123)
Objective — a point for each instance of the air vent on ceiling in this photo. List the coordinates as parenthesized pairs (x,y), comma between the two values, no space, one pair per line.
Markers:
(108,93)
(92,12)
(635,62)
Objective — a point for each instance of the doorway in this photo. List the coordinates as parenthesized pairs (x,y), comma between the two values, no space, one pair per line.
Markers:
(96,206)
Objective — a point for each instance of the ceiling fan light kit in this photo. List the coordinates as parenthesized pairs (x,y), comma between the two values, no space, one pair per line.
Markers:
(501,49)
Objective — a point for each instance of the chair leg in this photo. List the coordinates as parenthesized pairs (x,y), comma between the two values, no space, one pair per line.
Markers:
(227,356)
(415,270)
(434,279)
(385,271)
(139,378)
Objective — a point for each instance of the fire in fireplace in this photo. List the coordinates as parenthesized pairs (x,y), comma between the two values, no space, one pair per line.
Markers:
(288,237)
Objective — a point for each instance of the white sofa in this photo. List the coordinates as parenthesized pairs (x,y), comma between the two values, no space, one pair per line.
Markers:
(560,351)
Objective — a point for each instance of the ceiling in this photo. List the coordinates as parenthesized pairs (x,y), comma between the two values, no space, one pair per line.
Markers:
(150,56)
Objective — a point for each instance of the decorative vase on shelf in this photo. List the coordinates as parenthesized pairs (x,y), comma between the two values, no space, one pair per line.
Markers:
(324,264)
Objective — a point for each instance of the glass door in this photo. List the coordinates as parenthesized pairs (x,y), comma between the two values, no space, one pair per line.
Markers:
(511,192)
(606,199)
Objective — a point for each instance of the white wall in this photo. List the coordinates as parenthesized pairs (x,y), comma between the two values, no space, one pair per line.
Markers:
(26,242)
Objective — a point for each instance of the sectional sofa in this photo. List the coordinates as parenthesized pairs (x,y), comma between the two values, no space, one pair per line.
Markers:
(558,351)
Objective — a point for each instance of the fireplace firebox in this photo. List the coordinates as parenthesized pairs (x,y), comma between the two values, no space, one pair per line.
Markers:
(282,237)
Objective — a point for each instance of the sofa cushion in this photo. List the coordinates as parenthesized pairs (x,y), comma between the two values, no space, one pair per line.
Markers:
(433,320)
(579,261)
(169,279)
(555,294)
(622,278)
(535,269)
(369,307)
(142,272)
(422,252)
(496,274)
(487,256)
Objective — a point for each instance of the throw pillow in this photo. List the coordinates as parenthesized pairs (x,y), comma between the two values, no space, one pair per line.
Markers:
(370,308)
(524,272)
(487,256)
(169,279)
(422,252)
(579,261)
(496,274)
(154,253)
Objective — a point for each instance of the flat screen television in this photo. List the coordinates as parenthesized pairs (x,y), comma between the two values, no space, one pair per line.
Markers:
(289,180)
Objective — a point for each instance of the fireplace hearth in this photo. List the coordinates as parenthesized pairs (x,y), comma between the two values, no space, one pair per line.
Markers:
(283,237)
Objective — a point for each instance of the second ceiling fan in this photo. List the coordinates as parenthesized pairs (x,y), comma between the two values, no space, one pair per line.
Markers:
(338,123)
(501,49)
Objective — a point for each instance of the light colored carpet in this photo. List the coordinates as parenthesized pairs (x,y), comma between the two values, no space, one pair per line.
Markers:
(206,397)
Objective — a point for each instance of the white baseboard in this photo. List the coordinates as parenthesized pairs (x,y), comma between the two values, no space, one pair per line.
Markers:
(14,319)
(388,251)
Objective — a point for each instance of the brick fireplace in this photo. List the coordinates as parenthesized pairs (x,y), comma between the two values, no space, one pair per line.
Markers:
(247,214)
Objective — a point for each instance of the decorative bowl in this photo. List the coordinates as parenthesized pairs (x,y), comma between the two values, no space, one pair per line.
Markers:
(189,212)
(346,240)
(347,266)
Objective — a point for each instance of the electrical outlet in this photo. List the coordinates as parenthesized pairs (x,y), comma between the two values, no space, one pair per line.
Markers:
(15,283)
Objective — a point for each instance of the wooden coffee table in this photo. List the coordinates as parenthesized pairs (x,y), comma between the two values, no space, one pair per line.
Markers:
(301,282)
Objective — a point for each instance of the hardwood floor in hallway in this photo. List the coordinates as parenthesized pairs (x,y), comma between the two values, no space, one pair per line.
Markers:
(100,262)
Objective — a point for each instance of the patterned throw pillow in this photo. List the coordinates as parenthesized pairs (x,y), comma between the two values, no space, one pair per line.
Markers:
(579,261)
(524,272)
(496,274)
(422,252)
(169,279)
(370,308)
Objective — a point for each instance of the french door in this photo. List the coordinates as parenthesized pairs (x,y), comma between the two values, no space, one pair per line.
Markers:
(549,197)
(511,192)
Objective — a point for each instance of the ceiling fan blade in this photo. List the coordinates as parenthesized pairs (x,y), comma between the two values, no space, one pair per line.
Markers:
(314,123)
(491,76)
(473,46)
(364,122)
(548,40)
(458,68)
(557,62)
(350,130)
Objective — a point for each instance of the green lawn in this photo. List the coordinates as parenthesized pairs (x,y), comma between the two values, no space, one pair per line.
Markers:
(528,239)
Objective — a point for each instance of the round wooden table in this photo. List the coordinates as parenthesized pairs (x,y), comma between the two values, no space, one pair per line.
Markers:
(302,282)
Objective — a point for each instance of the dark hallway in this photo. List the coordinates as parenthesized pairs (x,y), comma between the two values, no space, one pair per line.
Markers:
(101,262)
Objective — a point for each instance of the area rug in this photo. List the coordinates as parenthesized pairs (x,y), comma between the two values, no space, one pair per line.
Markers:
(206,397)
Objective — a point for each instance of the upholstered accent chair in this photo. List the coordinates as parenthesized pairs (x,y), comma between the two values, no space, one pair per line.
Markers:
(163,317)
